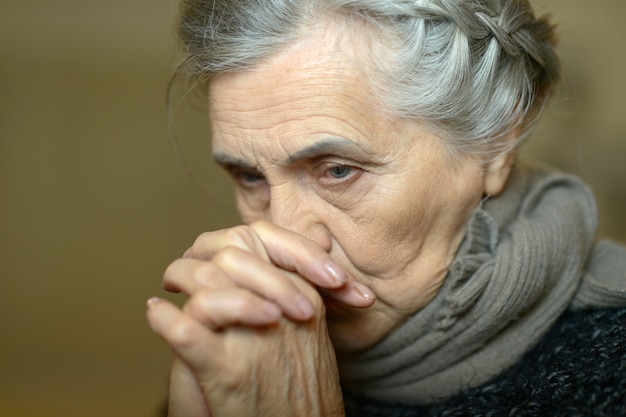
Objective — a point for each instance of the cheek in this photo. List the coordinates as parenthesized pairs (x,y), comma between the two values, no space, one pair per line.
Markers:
(383,239)
(389,233)
(252,206)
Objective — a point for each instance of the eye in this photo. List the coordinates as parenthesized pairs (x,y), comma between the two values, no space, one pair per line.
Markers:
(338,174)
(249,179)
(340,171)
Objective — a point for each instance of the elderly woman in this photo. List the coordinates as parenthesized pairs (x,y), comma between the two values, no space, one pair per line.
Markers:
(394,258)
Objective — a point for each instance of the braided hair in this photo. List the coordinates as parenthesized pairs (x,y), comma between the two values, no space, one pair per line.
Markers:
(477,72)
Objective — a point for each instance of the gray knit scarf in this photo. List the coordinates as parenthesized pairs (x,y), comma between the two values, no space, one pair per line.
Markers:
(528,255)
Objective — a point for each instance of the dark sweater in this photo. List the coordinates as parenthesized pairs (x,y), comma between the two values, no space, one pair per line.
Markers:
(577,370)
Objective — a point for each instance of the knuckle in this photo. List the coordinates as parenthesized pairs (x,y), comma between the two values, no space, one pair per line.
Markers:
(199,304)
(227,256)
(260,225)
(241,236)
(203,237)
(203,274)
(266,230)
(181,333)
(244,306)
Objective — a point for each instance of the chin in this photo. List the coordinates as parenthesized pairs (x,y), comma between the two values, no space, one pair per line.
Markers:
(345,328)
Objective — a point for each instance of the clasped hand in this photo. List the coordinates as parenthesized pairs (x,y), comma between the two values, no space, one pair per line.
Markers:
(251,339)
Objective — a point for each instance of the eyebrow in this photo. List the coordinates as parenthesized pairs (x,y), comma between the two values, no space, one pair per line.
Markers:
(227,161)
(330,146)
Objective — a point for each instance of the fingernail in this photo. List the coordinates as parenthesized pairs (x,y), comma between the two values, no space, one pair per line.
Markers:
(152,301)
(365,292)
(305,306)
(335,272)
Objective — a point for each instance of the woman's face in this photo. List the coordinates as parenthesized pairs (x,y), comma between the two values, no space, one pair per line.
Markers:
(310,150)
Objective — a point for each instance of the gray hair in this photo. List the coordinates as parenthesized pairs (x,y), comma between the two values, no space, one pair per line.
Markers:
(477,72)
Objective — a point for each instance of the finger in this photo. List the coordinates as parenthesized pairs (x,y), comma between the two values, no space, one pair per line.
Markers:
(353,294)
(236,267)
(190,340)
(287,249)
(294,252)
(189,275)
(266,280)
(208,244)
(233,306)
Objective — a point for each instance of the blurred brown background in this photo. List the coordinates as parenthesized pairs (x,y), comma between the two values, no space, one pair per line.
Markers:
(94,202)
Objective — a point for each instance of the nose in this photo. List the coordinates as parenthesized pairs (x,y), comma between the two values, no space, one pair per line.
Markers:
(294,211)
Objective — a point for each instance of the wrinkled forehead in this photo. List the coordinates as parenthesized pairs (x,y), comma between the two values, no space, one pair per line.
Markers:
(274,112)
(314,75)
(303,96)
(334,49)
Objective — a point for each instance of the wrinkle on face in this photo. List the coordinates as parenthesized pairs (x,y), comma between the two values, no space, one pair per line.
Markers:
(396,227)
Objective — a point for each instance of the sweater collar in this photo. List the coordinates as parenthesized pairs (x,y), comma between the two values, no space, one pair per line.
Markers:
(518,268)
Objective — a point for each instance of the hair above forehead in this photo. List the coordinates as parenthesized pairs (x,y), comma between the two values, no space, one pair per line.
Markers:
(478,72)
